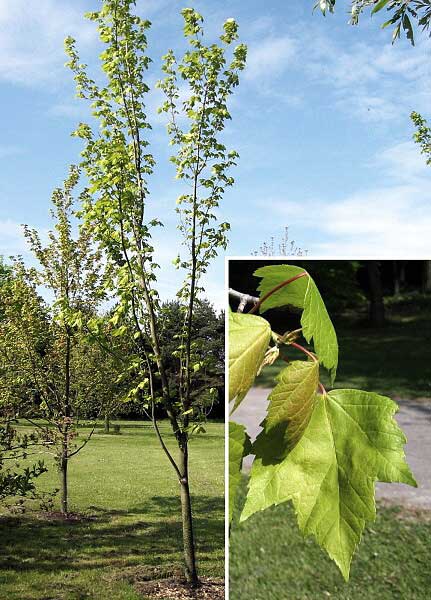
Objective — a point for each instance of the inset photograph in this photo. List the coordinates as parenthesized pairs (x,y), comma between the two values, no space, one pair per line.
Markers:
(330,428)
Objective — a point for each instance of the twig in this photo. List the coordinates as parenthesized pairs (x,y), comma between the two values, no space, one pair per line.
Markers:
(244,299)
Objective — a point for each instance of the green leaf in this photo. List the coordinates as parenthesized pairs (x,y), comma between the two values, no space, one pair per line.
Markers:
(381,4)
(407,26)
(396,32)
(274,275)
(292,399)
(350,442)
(317,325)
(239,447)
(249,336)
(302,293)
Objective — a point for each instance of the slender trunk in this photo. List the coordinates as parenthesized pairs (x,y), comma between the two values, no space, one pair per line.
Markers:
(397,282)
(66,426)
(377,307)
(187,520)
(402,264)
(427,276)
(63,483)
(107,422)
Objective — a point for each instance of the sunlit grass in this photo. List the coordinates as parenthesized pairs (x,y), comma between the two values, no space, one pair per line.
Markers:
(270,560)
(128,494)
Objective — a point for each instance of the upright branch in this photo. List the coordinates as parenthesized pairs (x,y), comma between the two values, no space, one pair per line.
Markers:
(117,163)
(196,119)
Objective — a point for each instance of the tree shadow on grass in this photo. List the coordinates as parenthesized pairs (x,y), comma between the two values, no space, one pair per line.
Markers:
(148,535)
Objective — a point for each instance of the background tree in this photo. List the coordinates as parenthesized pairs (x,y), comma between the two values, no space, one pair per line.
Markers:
(422,137)
(118,163)
(14,447)
(377,307)
(284,247)
(104,358)
(401,14)
(41,347)
(5,273)
(207,389)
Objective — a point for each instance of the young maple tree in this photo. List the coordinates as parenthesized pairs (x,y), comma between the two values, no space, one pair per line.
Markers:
(118,164)
(322,450)
(41,349)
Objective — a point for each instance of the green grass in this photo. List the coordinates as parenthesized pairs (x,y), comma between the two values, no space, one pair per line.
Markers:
(270,560)
(128,491)
(393,360)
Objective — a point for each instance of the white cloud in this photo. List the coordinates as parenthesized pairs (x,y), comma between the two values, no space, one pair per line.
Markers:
(75,110)
(31,38)
(269,57)
(263,24)
(369,81)
(374,82)
(12,241)
(390,219)
(402,162)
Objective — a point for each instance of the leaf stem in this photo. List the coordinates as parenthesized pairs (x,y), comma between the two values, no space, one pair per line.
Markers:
(275,289)
(287,360)
(307,352)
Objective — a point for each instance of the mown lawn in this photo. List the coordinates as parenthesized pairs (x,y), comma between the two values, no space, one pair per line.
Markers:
(127,494)
(269,560)
(393,360)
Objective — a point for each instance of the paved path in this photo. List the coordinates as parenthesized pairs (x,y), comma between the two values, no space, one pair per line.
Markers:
(413,417)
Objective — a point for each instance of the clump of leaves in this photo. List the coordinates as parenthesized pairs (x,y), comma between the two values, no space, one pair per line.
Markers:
(422,135)
(16,481)
(403,14)
(322,450)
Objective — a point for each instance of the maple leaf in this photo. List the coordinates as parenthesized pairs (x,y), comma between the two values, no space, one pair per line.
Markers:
(249,336)
(302,293)
(327,462)
(239,447)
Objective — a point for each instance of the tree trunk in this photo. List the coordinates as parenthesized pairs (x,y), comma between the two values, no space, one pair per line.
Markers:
(107,422)
(427,276)
(187,519)
(377,307)
(63,484)
(66,425)
(397,282)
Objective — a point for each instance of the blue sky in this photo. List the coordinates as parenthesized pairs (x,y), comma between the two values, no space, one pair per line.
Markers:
(321,121)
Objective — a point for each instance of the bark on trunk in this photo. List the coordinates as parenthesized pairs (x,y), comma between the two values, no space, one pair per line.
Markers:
(63,485)
(187,519)
(107,423)
(377,307)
